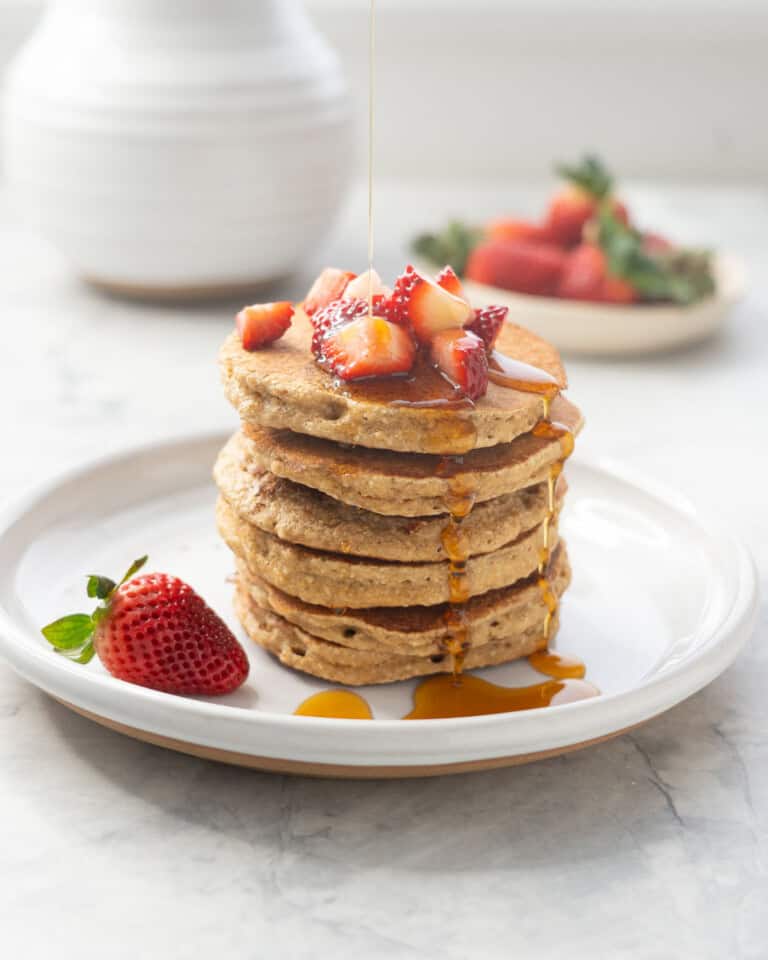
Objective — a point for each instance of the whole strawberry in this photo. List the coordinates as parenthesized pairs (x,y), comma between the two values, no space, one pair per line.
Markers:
(154,631)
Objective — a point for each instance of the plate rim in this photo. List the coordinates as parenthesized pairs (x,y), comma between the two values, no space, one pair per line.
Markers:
(32,661)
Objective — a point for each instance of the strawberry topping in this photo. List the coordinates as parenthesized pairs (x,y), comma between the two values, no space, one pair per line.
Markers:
(366,347)
(487,324)
(448,280)
(367,283)
(337,314)
(330,285)
(263,323)
(462,357)
(427,307)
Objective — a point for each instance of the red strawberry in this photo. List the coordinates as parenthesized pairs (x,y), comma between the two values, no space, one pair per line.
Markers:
(367,347)
(340,312)
(330,285)
(154,631)
(510,229)
(583,274)
(585,277)
(487,324)
(448,280)
(568,211)
(590,186)
(617,290)
(262,323)
(426,306)
(514,265)
(462,357)
(367,283)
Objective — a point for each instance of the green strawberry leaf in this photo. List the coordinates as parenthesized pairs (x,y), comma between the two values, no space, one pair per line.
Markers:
(69,633)
(134,568)
(677,275)
(589,174)
(451,246)
(82,655)
(100,587)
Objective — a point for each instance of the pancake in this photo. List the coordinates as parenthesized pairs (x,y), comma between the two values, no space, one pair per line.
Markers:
(414,631)
(298,649)
(283,388)
(335,580)
(307,517)
(396,484)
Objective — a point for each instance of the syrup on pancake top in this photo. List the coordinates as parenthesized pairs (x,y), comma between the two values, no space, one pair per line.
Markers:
(415,374)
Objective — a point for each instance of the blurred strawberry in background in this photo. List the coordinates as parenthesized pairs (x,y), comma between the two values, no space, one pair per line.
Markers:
(586,247)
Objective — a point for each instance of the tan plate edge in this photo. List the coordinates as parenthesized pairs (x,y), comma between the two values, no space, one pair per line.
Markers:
(335,771)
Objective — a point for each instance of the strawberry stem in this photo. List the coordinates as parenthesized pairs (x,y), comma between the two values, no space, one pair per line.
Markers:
(72,636)
(590,175)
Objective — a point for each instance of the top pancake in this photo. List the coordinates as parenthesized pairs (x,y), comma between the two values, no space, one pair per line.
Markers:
(282,387)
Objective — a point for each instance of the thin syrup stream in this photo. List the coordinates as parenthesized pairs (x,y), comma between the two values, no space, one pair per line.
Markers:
(371,91)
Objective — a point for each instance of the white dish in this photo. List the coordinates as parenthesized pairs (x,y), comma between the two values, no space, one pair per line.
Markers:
(660,605)
(603,329)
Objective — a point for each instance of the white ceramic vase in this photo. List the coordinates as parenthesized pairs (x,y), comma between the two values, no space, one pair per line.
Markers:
(172,147)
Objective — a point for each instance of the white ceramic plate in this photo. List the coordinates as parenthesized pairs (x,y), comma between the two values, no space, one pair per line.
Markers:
(660,605)
(602,329)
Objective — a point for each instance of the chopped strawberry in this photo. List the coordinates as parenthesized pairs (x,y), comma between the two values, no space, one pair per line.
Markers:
(340,312)
(367,347)
(510,229)
(448,280)
(462,357)
(366,284)
(330,285)
(262,323)
(585,277)
(514,265)
(154,631)
(426,306)
(487,324)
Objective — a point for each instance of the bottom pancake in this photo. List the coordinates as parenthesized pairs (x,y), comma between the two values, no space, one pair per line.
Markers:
(300,650)
(414,631)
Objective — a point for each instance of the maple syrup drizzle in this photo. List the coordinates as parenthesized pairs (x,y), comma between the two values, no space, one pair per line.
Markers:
(371,92)
(439,697)
(446,411)
(462,695)
(557,665)
(459,502)
(517,375)
(341,704)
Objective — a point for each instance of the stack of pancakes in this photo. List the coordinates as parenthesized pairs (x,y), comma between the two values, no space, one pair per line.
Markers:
(336,504)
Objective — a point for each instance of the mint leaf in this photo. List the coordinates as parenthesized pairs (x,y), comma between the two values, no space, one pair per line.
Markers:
(100,587)
(69,633)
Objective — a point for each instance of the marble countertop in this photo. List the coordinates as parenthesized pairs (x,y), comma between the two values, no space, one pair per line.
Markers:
(649,847)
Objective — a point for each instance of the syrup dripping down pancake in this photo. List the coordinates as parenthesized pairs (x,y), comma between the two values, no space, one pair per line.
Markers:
(336,580)
(400,484)
(284,388)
